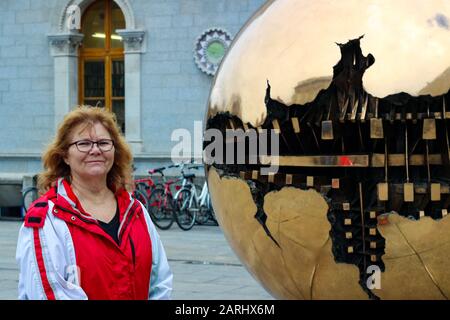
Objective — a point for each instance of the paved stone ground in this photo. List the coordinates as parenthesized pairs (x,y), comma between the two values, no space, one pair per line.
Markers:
(204,266)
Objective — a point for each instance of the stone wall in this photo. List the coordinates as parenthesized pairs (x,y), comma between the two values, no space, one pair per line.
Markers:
(174,91)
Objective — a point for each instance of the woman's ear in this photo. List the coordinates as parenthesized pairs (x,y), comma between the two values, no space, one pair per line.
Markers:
(66,160)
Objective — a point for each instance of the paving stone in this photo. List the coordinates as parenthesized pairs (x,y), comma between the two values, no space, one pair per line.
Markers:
(203,264)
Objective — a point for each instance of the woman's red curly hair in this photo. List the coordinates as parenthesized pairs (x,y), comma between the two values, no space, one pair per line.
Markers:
(120,175)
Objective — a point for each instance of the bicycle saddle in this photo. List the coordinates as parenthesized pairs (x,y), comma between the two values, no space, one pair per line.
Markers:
(189,176)
(160,170)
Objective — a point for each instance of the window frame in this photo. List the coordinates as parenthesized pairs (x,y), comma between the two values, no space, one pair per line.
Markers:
(106,54)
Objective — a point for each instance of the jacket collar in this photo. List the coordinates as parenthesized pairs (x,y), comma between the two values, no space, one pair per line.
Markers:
(66,199)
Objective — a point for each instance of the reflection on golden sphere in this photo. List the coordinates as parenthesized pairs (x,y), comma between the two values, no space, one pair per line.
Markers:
(292,43)
(357,92)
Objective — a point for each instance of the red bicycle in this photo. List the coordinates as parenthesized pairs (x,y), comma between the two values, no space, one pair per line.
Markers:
(144,187)
(162,207)
(157,197)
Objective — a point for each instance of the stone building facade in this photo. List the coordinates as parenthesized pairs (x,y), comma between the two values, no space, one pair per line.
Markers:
(164,88)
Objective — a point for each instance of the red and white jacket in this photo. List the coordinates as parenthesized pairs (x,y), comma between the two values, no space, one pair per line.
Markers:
(63,253)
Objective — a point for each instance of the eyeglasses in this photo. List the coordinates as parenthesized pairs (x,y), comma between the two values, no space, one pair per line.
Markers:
(85,146)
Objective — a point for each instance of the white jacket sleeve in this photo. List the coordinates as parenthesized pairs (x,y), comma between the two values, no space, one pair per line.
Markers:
(59,262)
(30,284)
(161,277)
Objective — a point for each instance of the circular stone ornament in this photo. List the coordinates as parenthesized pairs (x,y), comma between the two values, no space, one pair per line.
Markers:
(210,48)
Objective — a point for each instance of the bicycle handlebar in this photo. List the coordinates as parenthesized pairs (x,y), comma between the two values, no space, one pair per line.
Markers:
(182,165)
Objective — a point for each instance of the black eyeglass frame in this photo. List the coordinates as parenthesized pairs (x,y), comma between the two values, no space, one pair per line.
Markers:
(92,144)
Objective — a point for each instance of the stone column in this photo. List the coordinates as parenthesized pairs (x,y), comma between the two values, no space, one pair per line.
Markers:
(133,47)
(64,49)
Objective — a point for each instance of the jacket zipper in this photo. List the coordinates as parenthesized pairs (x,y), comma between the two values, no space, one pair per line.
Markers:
(126,218)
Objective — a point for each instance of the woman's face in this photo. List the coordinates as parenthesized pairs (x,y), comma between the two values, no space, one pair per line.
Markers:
(94,163)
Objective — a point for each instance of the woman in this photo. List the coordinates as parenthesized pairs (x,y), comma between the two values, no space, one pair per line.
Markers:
(87,237)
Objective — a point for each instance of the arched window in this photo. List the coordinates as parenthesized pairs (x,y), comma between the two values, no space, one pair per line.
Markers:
(101,59)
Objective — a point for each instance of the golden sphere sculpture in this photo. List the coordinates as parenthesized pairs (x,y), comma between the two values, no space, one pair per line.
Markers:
(327,148)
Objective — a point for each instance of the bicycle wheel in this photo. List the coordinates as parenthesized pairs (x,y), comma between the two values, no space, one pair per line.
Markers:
(161,209)
(29,196)
(139,195)
(186,211)
(202,214)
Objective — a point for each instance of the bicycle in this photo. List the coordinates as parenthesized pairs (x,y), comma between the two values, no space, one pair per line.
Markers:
(206,211)
(161,206)
(186,215)
(147,184)
(193,202)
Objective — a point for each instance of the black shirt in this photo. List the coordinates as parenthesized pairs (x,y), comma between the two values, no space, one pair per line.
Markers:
(112,227)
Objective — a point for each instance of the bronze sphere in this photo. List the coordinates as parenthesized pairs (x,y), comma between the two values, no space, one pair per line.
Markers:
(355,97)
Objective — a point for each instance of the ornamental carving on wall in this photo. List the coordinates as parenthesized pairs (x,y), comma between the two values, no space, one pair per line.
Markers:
(210,48)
